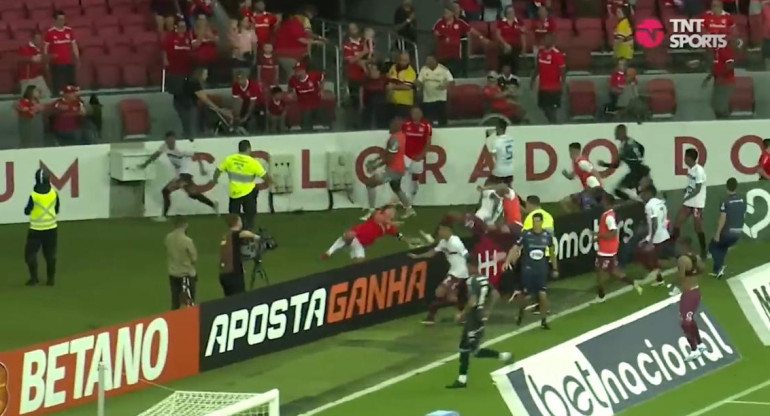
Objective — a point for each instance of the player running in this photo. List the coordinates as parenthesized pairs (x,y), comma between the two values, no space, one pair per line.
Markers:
(689,266)
(608,241)
(732,212)
(452,291)
(181,160)
(418,133)
(473,329)
(631,153)
(501,147)
(531,247)
(394,163)
(657,245)
(360,236)
(694,200)
(586,173)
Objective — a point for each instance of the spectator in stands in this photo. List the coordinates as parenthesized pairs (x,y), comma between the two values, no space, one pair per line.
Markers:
(276,111)
(508,82)
(623,42)
(617,86)
(449,32)
(471,9)
(369,46)
(246,9)
(244,44)
(405,21)
(292,42)
(549,75)
(691,8)
(354,52)
(29,111)
(200,8)
(265,23)
(68,117)
(492,9)
(190,102)
(204,42)
(533,7)
(267,66)
(723,74)
(766,33)
(165,12)
(613,6)
(248,103)
(62,51)
(497,101)
(401,79)
(177,56)
(306,86)
(374,113)
(543,26)
(434,80)
(510,34)
(31,66)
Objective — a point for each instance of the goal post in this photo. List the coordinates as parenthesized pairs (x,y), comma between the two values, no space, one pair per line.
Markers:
(205,403)
(268,401)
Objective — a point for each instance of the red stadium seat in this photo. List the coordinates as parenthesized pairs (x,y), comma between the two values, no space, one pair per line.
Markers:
(656,58)
(119,7)
(22,29)
(134,23)
(13,11)
(135,117)
(135,75)
(609,29)
(563,39)
(293,115)
(85,76)
(69,7)
(155,72)
(144,39)
(578,58)
(590,30)
(755,30)
(81,25)
(476,46)
(9,46)
(41,15)
(8,81)
(742,97)
(91,47)
(94,7)
(107,68)
(122,52)
(466,101)
(5,32)
(108,21)
(582,99)
(661,97)
(38,5)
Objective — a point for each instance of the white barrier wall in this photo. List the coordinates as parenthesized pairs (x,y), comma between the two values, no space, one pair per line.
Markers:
(456,163)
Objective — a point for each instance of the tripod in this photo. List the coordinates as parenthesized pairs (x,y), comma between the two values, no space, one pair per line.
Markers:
(258,270)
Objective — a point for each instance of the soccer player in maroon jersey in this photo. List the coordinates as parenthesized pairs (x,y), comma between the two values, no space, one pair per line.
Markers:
(689,266)
(418,133)
(379,224)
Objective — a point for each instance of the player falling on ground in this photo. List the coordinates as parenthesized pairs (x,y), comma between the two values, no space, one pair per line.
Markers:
(657,245)
(393,161)
(631,153)
(608,241)
(689,266)
(586,173)
(453,290)
(473,329)
(181,160)
(418,132)
(531,248)
(732,212)
(694,200)
(360,236)
(501,147)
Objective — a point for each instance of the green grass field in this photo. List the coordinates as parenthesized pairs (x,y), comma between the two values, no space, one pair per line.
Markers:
(112,271)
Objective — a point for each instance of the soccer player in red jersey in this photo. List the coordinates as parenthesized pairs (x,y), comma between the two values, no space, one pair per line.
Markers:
(551,65)
(608,241)
(763,168)
(306,86)
(379,224)
(393,161)
(689,265)
(418,133)
(586,173)
(62,51)
(248,100)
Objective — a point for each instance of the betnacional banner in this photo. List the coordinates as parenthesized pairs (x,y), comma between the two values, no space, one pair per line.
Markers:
(615,366)
(752,291)
(456,163)
(59,374)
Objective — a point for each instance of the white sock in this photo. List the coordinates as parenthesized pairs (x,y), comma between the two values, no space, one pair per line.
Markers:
(371,193)
(462,378)
(338,244)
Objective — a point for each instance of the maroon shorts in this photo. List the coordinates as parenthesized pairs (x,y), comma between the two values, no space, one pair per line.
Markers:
(606,263)
(458,286)
(688,304)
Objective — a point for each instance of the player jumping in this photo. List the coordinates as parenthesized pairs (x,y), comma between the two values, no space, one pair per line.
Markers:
(501,147)
(732,212)
(531,247)
(473,329)
(586,173)
(689,266)
(608,240)
(694,200)
(379,224)
(418,132)
(631,153)
(181,160)
(393,160)
(452,291)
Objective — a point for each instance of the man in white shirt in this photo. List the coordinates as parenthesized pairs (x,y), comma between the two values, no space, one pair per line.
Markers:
(452,291)
(501,147)
(434,79)
(657,244)
(694,200)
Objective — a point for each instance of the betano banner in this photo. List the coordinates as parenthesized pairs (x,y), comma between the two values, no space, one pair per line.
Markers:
(56,375)
(752,291)
(456,162)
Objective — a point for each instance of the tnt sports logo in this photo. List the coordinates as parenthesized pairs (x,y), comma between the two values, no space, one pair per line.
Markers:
(649,33)
(685,34)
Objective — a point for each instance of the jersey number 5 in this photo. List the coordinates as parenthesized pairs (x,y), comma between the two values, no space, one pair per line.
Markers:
(509,152)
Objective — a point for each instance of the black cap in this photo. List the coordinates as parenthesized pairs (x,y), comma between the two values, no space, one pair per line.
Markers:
(41,176)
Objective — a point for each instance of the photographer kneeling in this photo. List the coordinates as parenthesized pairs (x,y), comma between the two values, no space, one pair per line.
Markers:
(231,258)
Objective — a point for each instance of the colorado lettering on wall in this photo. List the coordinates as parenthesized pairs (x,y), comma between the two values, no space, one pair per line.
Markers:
(614,367)
(314,307)
(63,373)
(752,291)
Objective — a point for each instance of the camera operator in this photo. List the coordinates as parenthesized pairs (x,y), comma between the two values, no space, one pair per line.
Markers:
(182,257)
(231,274)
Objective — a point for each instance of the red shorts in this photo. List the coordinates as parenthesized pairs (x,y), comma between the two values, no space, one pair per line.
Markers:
(688,304)
(606,263)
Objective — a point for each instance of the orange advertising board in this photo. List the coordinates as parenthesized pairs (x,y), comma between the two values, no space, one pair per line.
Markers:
(55,375)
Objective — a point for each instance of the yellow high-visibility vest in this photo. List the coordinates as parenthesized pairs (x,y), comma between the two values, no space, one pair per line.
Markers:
(547,224)
(243,171)
(43,214)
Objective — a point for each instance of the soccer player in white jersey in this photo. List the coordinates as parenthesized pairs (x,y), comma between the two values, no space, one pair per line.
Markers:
(501,147)
(657,245)
(694,200)
(181,160)
(452,291)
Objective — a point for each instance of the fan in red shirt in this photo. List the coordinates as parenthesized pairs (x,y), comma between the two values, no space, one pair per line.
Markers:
(27,109)
(418,133)
(510,34)
(62,51)
(449,32)
(723,74)
(497,101)
(617,85)
(177,54)
(248,102)
(542,26)
(68,117)
(717,21)
(471,8)
(31,65)
(763,168)
(265,22)
(201,7)
(306,87)
(354,52)
(360,236)
(267,65)
(204,43)
(276,111)
(550,73)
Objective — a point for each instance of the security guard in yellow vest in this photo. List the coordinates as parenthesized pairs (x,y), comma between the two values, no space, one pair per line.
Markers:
(42,208)
(243,171)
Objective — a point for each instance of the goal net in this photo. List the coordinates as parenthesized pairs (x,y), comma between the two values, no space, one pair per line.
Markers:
(199,403)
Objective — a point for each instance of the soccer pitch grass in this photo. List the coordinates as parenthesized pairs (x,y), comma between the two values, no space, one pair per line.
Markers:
(114,270)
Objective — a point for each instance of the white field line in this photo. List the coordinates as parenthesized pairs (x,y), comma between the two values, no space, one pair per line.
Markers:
(731,399)
(745,402)
(394,380)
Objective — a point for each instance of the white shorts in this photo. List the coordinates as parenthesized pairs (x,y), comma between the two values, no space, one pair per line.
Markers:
(356,249)
(415,167)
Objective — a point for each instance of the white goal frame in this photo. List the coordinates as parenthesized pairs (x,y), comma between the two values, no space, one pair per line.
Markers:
(271,398)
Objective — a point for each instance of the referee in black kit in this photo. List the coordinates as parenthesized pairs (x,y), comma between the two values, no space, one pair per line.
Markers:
(43,209)
(243,170)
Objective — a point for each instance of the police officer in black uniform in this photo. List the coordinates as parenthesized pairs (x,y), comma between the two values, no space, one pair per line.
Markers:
(231,275)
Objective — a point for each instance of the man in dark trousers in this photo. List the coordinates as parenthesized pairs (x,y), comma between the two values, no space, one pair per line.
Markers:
(182,258)
(231,257)
(43,209)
